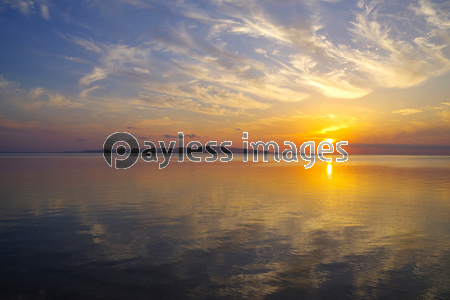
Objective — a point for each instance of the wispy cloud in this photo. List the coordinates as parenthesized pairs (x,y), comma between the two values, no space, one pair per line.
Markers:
(180,103)
(207,72)
(86,44)
(148,123)
(36,106)
(28,8)
(262,65)
(44,12)
(24,6)
(34,98)
(96,75)
(85,92)
(432,13)
(407,111)
(381,59)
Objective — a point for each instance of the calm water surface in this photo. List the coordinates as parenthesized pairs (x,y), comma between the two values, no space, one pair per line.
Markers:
(375,227)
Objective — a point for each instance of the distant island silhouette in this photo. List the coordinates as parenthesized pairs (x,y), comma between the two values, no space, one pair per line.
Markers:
(175,150)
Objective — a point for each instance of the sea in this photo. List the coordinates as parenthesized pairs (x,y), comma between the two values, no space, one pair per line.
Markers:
(373,227)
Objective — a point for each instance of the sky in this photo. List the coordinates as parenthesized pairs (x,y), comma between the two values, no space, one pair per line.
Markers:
(373,73)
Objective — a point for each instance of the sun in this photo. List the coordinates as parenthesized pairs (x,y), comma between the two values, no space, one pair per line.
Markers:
(329,140)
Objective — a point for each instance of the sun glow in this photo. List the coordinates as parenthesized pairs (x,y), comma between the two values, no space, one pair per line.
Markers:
(329,170)
(329,140)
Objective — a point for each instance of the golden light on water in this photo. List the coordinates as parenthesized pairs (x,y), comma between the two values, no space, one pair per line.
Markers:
(329,170)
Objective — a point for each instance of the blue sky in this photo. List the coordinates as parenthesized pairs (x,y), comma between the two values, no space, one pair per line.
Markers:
(369,72)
